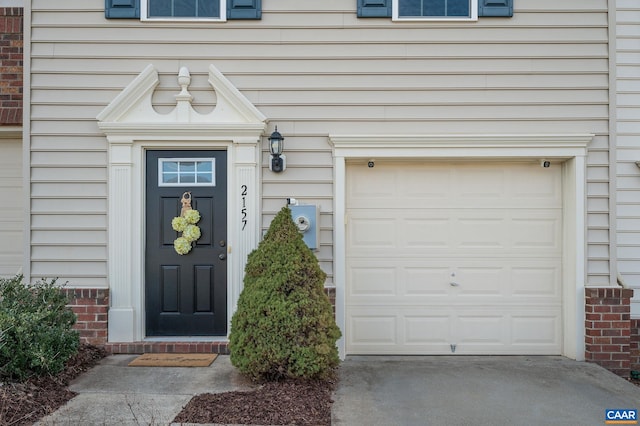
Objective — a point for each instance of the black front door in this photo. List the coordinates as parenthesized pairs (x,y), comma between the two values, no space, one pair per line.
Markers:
(186,294)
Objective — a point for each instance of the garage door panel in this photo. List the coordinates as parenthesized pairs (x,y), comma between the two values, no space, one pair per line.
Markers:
(398,281)
(432,330)
(425,233)
(432,184)
(384,184)
(529,233)
(480,183)
(480,330)
(383,333)
(425,280)
(454,185)
(536,186)
(462,254)
(507,231)
(458,280)
(536,330)
(373,189)
(370,331)
(409,279)
(535,281)
(377,281)
(481,233)
(372,233)
(470,331)
(474,281)
(523,330)
(528,279)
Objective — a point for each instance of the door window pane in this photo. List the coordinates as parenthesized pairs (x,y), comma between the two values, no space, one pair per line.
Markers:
(170,167)
(170,178)
(204,166)
(187,177)
(186,172)
(204,177)
(187,166)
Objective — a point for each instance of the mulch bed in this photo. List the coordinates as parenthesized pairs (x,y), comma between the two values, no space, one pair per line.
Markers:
(273,403)
(26,402)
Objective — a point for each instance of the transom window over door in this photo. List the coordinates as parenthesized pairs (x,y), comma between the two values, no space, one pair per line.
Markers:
(183,9)
(186,172)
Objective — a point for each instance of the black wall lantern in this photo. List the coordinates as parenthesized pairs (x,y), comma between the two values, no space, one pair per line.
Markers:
(278,161)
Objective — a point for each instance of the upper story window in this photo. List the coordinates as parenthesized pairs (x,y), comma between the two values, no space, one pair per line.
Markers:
(421,10)
(435,9)
(183,9)
(192,10)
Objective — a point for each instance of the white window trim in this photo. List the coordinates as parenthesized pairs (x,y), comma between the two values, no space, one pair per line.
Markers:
(144,14)
(473,12)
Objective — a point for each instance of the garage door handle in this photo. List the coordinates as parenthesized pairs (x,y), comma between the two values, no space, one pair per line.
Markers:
(454,284)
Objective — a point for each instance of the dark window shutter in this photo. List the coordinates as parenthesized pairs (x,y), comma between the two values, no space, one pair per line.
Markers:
(244,9)
(374,8)
(495,8)
(122,9)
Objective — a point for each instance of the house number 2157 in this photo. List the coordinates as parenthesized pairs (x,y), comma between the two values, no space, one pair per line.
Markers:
(243,212)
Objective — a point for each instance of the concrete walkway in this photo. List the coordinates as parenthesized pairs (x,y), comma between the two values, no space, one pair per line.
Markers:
(372,391)
(112,393)
(470,390)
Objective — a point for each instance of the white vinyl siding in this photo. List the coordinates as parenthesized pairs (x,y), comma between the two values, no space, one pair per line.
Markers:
(11,207)
(628,148)
(313,69)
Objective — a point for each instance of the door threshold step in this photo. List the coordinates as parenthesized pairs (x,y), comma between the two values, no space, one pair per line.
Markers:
(177,347)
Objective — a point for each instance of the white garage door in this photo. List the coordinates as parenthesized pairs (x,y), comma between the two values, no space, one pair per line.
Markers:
(11,207)
(455,257)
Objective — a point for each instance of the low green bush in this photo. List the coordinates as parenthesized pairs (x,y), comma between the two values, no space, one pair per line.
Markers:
(36,335)
(284,326)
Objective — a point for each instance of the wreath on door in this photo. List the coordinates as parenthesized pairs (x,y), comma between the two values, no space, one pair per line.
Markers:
(186,224)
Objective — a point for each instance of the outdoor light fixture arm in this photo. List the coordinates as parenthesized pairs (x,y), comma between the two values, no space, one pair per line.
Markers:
(277,160)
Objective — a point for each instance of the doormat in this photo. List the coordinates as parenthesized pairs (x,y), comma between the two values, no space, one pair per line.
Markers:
(173,360)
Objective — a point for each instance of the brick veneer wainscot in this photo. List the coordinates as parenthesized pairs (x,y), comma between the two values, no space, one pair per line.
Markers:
(219,347)
(608,328)
(11,65)
(635,344)
(91,307)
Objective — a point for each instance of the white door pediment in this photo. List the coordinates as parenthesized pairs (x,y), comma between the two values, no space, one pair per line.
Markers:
(133,106)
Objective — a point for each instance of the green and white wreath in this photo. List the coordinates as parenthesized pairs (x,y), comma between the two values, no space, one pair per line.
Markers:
(186,223)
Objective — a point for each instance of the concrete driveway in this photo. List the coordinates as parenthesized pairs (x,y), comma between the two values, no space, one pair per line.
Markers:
(473,390)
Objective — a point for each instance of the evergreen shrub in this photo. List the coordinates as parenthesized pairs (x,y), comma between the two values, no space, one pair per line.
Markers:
(284,326)
(36,335)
